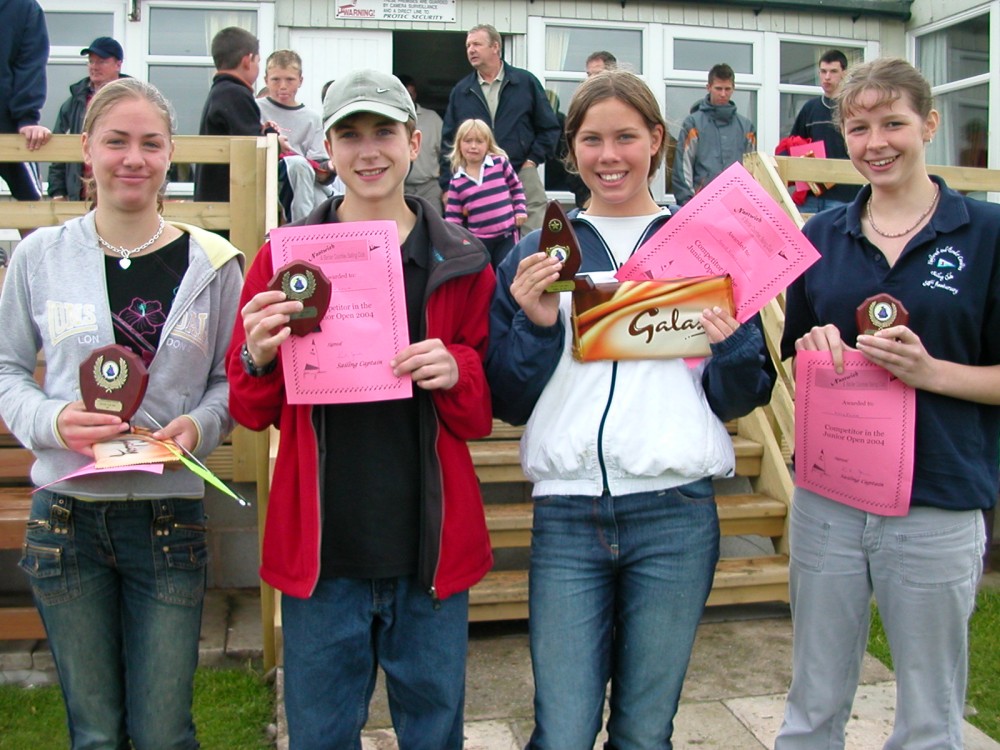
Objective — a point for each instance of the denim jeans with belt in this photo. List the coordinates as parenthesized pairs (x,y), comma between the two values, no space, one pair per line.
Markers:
(119,586)
(618,586)
(334,643)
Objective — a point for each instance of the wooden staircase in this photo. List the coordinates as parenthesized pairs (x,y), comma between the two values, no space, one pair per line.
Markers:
(503,594)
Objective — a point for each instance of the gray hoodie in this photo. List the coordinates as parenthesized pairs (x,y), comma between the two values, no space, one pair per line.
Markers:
(712,137)
(54,299)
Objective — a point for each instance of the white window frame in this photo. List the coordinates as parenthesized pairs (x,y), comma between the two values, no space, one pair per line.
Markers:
(97,7)
(769,132)
(535,39)
(265,33)
(265,30)
(674,75)
(991,78)
(134,38)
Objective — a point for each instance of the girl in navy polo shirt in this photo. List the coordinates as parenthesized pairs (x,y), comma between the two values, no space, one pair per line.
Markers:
(907,234)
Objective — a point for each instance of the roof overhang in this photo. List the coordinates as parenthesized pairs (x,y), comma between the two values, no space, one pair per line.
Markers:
(896,9)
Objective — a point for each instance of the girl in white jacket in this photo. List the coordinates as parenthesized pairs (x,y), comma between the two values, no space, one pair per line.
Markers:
(626,535)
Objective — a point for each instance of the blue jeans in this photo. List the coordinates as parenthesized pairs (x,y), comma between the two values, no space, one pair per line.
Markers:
(336,639)
(922,568)
(119,586)
(499,247)
(618,586)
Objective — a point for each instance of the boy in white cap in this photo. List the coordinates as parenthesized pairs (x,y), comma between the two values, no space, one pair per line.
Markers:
(375,528)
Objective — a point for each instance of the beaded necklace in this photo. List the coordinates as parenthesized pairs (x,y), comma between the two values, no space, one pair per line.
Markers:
(896,235)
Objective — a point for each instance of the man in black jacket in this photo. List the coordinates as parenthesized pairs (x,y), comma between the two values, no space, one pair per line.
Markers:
(513,103)
(24,50)
(104,65)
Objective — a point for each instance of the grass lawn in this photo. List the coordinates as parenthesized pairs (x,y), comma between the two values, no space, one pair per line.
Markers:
(232,708)
(984,660)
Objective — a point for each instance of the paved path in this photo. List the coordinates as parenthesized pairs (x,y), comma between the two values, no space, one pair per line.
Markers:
(733,697)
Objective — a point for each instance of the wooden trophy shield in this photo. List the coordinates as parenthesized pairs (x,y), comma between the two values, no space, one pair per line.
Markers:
(307,283)
(559,241)
(879,312)
(113,380)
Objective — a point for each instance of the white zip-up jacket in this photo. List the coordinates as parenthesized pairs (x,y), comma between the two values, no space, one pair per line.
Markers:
(617,426)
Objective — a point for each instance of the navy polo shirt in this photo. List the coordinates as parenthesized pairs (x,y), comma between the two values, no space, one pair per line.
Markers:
(948,278)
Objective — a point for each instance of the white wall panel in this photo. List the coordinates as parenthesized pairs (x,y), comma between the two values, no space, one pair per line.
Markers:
(330,53)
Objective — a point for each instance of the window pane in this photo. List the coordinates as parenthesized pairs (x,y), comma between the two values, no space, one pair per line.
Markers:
(680,101)
(59,77)
(962,136)
(568,48)
(77,29)
(800,62)
(559,94)
(563,92)
(189,31)
(186,87)
(697,54)
(957,52)
(790,106)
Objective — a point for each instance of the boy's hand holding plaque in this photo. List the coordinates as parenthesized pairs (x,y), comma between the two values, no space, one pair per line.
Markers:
(558,240)
(879,312)
(113,380)
(306,282)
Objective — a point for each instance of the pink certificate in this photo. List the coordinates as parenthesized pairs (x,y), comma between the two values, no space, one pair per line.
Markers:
(732,226)
(815,149)
(854,433)
(347,359)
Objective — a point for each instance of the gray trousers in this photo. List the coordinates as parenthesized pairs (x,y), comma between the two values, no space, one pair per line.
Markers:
(534,195)
(429,191)
(923,569)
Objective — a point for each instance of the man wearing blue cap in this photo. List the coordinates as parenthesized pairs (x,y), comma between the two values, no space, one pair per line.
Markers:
(104,64)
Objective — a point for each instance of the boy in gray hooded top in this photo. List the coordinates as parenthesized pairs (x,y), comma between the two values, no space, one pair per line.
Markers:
(712,137)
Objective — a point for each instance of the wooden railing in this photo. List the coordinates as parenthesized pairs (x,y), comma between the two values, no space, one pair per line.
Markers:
(250,212)
(247,216)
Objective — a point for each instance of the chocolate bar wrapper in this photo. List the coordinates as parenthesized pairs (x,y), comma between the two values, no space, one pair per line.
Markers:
(658,319)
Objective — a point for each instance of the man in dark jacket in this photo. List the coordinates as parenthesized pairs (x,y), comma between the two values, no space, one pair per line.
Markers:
(24,50)
(104,65)
(230,108)
(513,103)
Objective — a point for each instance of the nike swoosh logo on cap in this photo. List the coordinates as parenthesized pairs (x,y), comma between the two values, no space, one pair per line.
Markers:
(381,91)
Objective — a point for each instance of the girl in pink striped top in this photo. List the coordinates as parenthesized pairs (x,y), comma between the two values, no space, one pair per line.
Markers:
(485,194)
